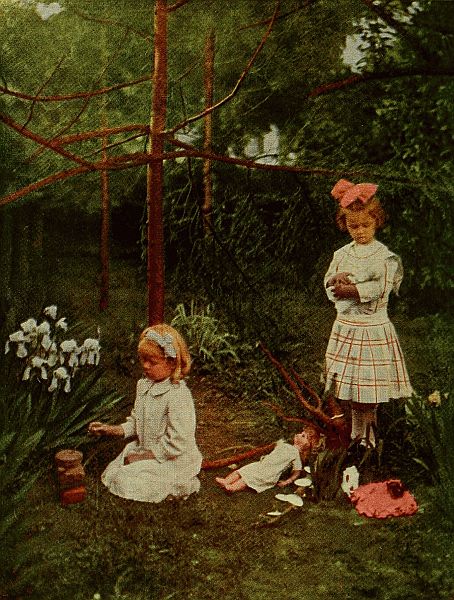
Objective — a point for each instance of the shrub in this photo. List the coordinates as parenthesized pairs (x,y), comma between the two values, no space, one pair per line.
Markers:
(432,421)
(207,340)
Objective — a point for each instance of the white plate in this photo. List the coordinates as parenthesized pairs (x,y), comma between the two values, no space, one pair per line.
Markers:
(291,498)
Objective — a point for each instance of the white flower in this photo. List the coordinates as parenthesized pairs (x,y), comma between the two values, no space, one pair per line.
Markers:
(51,311)
(29,326)
(37,361)
(26,375)
(70,347)
(40,363)
(60,374)
(62,324)
(17,336)
(434,398)
(44,328)
(90,352)
(53,355)
(21,350)
(46,342)
(6,346)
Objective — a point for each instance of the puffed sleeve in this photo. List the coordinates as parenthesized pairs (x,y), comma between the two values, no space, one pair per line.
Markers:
(389,279)
(179,435)
(332,270)
(130,425)
(370,290)
(398,275)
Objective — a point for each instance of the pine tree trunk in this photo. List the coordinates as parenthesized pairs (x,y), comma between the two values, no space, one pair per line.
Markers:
(207,206)
(155,170)
(105,225)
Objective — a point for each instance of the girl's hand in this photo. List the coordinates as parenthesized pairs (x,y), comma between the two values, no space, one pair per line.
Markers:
(343,290)
(339,278)
(97,428)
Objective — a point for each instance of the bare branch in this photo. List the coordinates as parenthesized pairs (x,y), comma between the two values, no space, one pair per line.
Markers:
(280,413)
(30,115)
(279,18)
(145,36)
(313,410)
(116,144)
(177,5)
(85,103)
(224,462)
(238,83)
(33,187)
(43,142)
(76,95)
(352,80)
(142,158)
(99,133)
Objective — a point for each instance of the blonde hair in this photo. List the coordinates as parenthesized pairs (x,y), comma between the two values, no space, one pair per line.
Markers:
(314,438)
(373,208)
(149,349)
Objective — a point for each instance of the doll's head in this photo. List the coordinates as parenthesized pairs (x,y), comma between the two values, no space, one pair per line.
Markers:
(162,351)
(357,201)
(306,442)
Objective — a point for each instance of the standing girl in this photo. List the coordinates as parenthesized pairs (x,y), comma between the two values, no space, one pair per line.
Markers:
(364,361)
(162,460)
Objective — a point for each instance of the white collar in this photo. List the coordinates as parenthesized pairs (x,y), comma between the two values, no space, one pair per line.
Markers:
(157,388)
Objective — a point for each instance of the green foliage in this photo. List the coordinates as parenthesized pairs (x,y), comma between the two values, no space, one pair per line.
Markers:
(60,378)
(326,473)
(38,415)
(19,469)
(208,342)
(433,431)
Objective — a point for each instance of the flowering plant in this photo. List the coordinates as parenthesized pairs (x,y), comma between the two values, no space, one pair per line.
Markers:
(44,357)
(51,382)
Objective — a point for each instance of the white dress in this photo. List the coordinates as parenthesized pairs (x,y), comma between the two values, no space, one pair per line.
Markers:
(265,473)
(364,361)
(163,419)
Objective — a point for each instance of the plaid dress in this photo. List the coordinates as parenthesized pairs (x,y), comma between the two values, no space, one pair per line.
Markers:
(364,361)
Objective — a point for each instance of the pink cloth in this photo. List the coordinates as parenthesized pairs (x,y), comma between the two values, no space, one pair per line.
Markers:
(347,192)
(384,499)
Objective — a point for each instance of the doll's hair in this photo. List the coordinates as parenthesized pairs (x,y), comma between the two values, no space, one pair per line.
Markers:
(313,434)
(148,348)
(373,208)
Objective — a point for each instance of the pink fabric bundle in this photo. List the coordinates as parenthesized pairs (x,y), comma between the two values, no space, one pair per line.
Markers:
(384,499)
(346,192)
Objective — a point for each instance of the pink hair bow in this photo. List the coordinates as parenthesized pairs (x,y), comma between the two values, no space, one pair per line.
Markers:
(346,192)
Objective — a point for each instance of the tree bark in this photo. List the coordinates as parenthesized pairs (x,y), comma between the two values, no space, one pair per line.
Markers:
(155,170)
(207,206)
(105,225)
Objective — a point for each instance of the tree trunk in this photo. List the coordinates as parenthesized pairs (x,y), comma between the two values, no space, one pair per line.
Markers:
(207,206)
(105,225)
(155,170)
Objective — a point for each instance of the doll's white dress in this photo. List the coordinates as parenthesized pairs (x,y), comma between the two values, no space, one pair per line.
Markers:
(265,473)
(364,361)
(163,419)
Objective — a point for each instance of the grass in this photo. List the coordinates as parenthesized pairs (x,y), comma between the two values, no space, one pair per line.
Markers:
(214,546)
